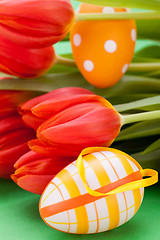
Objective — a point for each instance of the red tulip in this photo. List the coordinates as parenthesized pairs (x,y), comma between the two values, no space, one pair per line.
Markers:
(14,135)
(75,120)
(37,110)
(23,62)
(35,23)
(35,171)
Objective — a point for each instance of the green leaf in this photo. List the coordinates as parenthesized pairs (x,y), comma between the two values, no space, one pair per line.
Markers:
(130,84)
(138,104)
(127,85)
(150,108)
(154,146)
(46,83)
(154,74)
(150,160)
(141,129)
(149,52)
(131,146)
(148,29)
(121,99)
(144,4)
(144,59)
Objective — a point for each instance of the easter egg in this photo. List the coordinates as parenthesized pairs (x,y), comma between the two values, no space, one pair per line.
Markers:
(67,206)
(103,49)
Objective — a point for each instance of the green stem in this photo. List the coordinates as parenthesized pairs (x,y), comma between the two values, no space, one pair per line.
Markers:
(141,117)
(65,61)
(133,67)
(144,67)
(118,15)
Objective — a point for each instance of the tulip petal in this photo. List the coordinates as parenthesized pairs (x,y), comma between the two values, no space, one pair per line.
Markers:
(51,150)
(94,126)
(35,23)
(34,171)
(24,62)
(26,182)
(55,94)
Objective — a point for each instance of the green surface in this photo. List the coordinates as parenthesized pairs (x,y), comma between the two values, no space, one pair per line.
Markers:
(20,218)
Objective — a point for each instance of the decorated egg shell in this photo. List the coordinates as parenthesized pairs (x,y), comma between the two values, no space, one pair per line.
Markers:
(66,205)
(103,49)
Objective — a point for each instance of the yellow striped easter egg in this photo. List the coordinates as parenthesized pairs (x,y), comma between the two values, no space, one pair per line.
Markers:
(67,206)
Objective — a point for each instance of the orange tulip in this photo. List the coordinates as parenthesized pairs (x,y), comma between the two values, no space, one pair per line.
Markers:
(23,62)
(35,23)
(34,171)
(14,134)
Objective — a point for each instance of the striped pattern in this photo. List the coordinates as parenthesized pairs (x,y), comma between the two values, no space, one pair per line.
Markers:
(101,168)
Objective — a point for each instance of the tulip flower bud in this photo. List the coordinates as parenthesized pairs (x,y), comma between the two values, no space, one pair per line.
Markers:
(72,122)
(35,111)
(23,62)
(34,171)
(14,135)
(35,23)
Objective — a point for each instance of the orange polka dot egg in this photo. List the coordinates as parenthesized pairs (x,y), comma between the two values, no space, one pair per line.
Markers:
(103,49)
(67,206)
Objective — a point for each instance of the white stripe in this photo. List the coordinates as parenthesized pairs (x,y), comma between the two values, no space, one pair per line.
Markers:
(131,212)
(54,197)
(109,170)
(122,207)
(64,192)
(79,184)
(129,198)
(98,155)
(122,218)
(47,191)
(134,167)
(72,215)
(56,180)
(103,225)
(120,170)
(121,202)
(91,216)
(102,210)
(91,211)
(58,218)
(72,169)
(91,178)
(108,154)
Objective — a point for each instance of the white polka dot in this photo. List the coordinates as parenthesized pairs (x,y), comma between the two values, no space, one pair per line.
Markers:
(77,39)
(124,69)
(133,35)
(110,46)
(108,10)
(88,65)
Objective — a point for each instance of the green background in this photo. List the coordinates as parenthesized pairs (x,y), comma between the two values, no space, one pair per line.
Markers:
(20,219)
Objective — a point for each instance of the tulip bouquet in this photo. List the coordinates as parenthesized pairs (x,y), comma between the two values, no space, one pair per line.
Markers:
(98,93)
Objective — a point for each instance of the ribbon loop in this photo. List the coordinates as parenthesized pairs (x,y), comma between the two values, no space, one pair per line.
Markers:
(150,173)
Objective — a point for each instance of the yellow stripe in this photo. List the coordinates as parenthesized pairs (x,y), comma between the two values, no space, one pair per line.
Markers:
(127,166)
(114,215)
(73,190)
(98,169)
(136,193)
(111,201)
